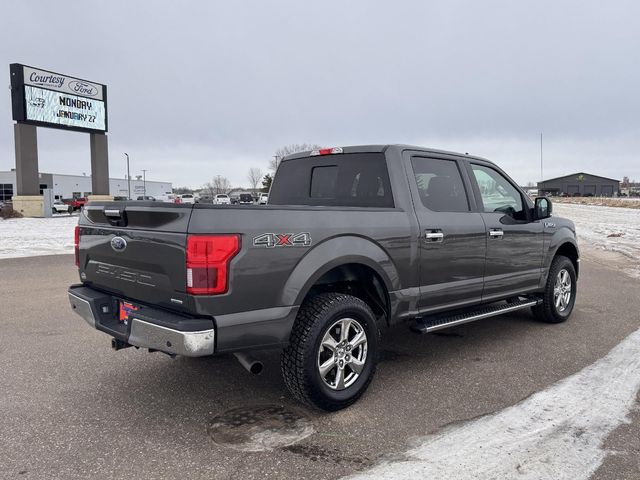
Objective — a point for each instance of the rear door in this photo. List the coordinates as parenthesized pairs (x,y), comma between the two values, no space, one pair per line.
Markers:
(452,240)
(514,239)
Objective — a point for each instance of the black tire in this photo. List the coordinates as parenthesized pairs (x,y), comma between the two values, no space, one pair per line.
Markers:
(547,311)
(299,363)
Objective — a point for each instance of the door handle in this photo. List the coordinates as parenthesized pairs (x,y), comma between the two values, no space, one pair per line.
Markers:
(496,233)
(434,236)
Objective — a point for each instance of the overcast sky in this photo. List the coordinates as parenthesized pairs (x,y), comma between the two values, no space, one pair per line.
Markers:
(203,88)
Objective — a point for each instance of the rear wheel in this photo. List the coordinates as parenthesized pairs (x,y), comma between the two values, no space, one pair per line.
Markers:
(332,352)
(559,295)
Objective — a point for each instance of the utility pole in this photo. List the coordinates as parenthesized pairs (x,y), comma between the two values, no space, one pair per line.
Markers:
(144,183)
(128,178)
(276,157)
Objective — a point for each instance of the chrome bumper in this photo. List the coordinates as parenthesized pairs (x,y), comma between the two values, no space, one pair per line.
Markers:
(148,335)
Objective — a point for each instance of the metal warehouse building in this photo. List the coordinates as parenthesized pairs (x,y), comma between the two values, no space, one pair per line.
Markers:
(581,183)
(75,186)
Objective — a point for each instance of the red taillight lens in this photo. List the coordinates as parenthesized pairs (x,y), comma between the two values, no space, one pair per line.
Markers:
(208,258)
(76,244)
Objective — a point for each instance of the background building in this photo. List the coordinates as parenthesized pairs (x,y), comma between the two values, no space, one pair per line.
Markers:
(580,183)
(74,186)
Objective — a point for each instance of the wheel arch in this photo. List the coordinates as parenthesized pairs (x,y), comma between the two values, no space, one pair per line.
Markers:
(569,250)
(341,264)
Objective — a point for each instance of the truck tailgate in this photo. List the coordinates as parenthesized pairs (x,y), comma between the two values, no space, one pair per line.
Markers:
(136,251)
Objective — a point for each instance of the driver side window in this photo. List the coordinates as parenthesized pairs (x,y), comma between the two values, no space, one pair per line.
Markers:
(498,195)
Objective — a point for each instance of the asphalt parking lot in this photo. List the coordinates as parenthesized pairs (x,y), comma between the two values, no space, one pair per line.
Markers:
(73,408)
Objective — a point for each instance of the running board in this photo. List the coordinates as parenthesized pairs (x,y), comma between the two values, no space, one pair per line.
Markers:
(434,323)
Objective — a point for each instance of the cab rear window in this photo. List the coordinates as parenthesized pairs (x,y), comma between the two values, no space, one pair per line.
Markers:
(345,180)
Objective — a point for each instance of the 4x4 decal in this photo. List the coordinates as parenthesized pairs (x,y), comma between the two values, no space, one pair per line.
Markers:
(271,240)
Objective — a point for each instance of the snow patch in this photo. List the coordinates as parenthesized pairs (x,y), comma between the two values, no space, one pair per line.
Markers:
(27,237)
(610,228)
(556,433)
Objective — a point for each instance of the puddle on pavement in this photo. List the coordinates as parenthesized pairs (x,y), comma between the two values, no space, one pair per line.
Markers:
(259,428)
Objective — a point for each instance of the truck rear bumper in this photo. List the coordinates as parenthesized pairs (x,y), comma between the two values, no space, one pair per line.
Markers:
(147,327)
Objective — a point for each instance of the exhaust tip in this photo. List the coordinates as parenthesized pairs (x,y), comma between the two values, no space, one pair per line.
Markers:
(256,368)
(249,363)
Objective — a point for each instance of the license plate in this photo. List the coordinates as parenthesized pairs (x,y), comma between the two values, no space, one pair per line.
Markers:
(126,309)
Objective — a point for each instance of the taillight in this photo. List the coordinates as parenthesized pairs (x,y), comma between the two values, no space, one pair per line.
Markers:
(76,244)
(326,151)
(208,258)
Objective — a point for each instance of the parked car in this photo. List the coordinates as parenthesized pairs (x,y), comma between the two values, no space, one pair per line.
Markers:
(188,198)
(120,198)
(356,239)
(263,198)
(222,199)
(61,207)
(245,199)
(146,198)
(205,199)
(76,203)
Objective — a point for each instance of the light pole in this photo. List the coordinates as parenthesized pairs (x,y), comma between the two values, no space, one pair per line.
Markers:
(144,183)
(128,178)
(541,169)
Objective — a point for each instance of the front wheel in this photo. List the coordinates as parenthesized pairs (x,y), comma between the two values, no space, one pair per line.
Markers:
(332,352)
(559,295)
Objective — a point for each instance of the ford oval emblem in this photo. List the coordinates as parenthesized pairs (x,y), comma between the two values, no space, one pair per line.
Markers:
(118,244)
(83,88)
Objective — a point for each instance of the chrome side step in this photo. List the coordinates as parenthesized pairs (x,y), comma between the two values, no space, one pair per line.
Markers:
(434,323)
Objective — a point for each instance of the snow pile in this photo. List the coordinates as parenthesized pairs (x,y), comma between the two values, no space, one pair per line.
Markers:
(614,229)
(27,237)
(556,433)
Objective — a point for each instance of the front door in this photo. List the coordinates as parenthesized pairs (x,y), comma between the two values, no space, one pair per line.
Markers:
(514,239)
(452,240)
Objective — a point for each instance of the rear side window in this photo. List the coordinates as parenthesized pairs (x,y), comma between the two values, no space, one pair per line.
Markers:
(324,182)
(440,185)
(345,180)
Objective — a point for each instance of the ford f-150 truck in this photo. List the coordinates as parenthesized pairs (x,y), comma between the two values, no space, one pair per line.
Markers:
(353,240)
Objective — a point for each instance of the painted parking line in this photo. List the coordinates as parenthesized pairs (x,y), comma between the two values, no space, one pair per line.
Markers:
(556,433)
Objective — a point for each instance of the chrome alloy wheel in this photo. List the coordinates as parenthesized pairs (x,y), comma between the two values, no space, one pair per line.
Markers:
(342,354)
(562,291)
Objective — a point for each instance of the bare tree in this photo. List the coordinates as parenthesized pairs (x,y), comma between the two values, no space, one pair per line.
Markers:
(219,184)
(208,189)
(254,176)
(288,150)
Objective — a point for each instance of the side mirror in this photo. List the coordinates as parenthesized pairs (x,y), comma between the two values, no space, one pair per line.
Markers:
(542,208)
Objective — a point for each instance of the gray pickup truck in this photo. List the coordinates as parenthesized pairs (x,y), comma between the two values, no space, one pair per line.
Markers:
(353,240)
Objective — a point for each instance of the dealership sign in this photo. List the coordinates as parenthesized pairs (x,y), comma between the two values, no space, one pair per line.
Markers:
(49,99)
